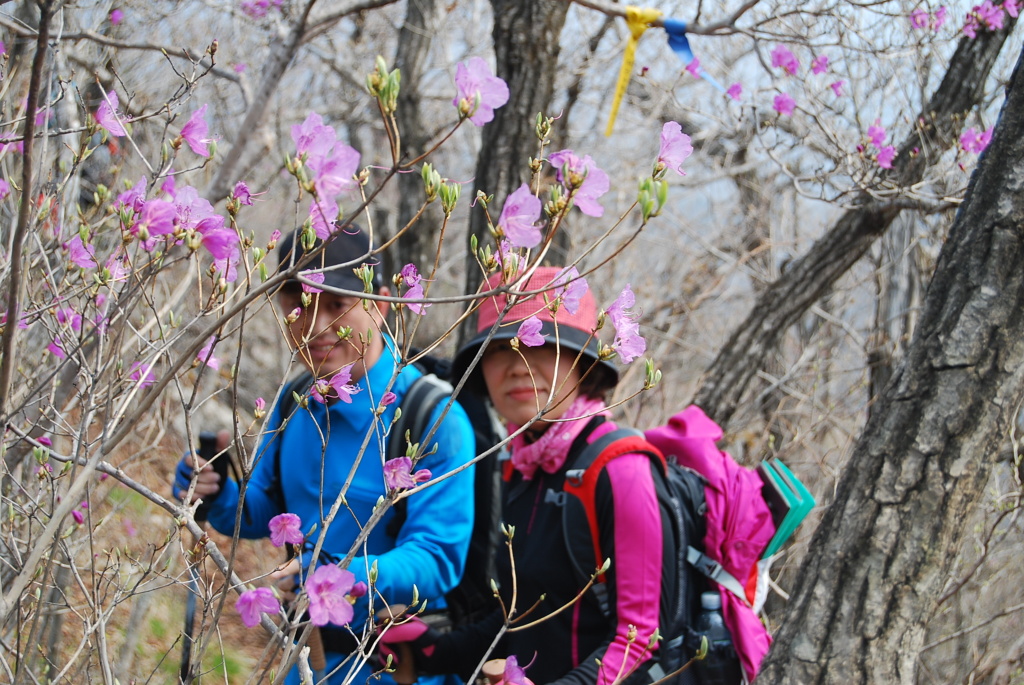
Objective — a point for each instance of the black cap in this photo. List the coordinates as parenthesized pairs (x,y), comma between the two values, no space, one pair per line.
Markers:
(350,246)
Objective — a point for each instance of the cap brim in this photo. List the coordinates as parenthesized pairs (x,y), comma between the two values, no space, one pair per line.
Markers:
(568,338)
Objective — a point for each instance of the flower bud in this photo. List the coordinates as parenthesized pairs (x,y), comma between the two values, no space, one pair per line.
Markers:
(293,316)
(449,193)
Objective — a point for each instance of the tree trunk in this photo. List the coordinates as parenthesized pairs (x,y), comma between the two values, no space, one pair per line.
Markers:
(416,246)
(814,274)
(885,548)
(526,35)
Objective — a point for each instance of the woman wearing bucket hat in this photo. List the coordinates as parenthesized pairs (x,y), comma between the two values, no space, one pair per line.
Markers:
(550,392)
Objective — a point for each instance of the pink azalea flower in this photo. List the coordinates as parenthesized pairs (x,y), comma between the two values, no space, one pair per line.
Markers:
(358,590)
(973,141)
(323,213)
(1012,7)
(583,175)
(876,134)
(784,59)
(571,288)
(196,133)
(240,67)
(106,116)
(243,195)
(398,474)
(56,348)
(480,91)
(205,355)
(628,343)
(514,674)
(519,218)
(388,398)
(820,64)
(313,136)
(252,603)
(735,91)
(316,277)
(77,515)
(971,26)
(3,48)
(134,197)
(336,386)
(217,238)
(508,257)
(885,156)
(694,67)
(228,268)
(985,138)
(334,170)
(990,14)
(5,188)
(117,267)
(784,104)
(286,528)
(940,15)
(529,332)
(191,208)
(416,292)
(327,587)
(157,218)
(837,88)
(675,147)
(116,16)
(142,374)
(81,254)
(69,317)
(919,18)
(410,275)
(260,405)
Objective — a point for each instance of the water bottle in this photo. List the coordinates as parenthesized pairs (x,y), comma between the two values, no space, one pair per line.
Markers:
(721,666)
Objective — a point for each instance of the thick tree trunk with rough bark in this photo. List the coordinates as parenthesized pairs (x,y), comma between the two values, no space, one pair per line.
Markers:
(883,552)
(813,274)
(526,35)
(415,246)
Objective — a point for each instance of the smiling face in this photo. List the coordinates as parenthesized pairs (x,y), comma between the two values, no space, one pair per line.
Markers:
(520,382)
(315,332)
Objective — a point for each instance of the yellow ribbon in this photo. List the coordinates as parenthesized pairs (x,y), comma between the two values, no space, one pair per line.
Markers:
(638,19)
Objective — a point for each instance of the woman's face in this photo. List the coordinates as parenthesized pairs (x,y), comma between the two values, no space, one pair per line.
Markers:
(521,382)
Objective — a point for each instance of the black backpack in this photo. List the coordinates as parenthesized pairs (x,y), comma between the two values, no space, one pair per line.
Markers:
(473,596)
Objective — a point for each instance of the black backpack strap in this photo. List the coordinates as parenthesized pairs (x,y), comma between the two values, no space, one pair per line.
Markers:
(286,408)
(424,396)
(418,405)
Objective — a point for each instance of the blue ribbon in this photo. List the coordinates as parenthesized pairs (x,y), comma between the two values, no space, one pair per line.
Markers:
(676,31)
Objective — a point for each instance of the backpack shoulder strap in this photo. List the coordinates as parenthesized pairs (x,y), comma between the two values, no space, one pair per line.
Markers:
(422,398)
(419,403)
(581,480)
(286,408)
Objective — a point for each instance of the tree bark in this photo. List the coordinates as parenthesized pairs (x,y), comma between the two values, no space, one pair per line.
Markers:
(526,35)
(414,40)
(878,562)
(814,274)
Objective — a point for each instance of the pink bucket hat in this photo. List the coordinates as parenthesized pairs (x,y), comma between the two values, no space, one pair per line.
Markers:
(573,332)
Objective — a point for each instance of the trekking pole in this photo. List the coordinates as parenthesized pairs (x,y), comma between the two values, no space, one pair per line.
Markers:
(207,450)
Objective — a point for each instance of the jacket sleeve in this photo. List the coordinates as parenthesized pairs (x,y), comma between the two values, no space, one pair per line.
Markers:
(630,524)
(262,493)
(430,550)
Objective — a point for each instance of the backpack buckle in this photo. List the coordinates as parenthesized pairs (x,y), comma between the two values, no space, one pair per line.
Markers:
(556,498)
(574,477)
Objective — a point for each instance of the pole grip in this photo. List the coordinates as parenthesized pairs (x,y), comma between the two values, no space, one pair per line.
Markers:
(207,451)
